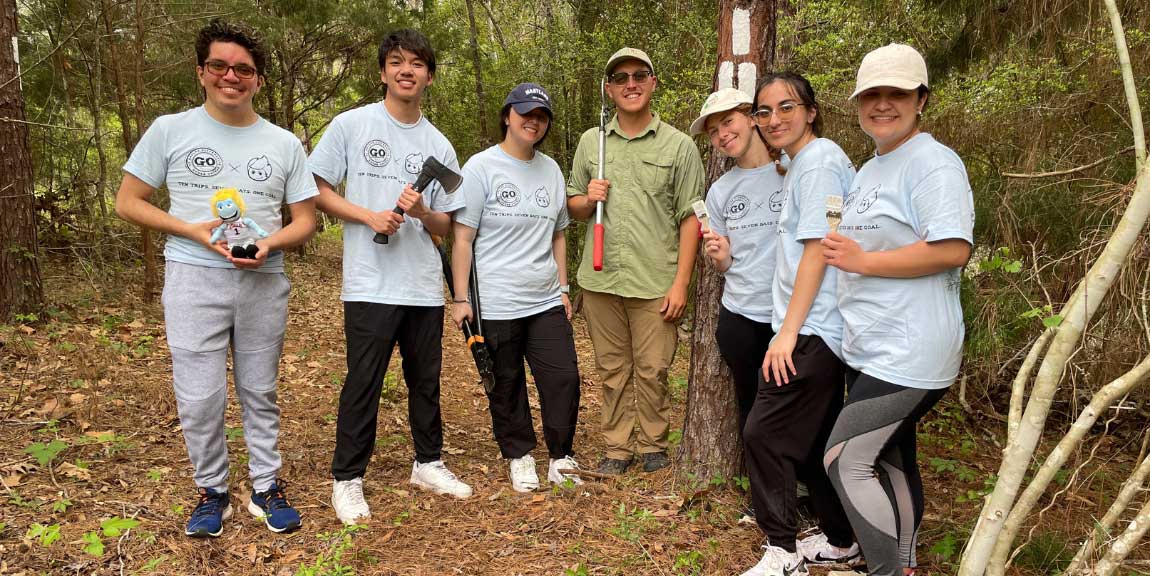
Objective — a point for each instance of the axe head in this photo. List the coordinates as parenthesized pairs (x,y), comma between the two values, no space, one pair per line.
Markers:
(434,170)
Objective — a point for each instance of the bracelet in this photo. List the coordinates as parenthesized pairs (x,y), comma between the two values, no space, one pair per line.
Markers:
(464,301)
(565,288)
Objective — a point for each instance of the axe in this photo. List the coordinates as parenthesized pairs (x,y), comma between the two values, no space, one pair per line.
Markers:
(472,329)
(432,170)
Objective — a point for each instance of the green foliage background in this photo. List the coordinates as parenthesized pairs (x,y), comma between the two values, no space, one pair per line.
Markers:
(1025,86)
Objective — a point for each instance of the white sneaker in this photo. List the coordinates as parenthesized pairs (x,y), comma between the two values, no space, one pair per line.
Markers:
(779,562)
(564,463)
(523,476)
(347,499)
(817,550)
(434,476)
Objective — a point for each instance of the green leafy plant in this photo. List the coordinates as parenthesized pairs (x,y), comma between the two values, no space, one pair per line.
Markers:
(330,563)
(689,563)
(233,434)
(46,452)
(46,535)
(60,506)
(92,543)
(579,570)
(631,524)
(946,547)
(155,475)
(114,526)
(151,565)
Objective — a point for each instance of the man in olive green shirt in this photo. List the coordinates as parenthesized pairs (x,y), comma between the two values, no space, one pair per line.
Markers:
(653,175)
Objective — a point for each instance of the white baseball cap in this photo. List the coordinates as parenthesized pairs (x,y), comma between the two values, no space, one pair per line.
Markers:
(894,65)
(628,53)
(719,101)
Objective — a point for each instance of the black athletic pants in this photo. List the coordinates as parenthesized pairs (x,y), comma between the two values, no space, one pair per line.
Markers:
(546,341)
(743,343)
(785,434)
(372,331)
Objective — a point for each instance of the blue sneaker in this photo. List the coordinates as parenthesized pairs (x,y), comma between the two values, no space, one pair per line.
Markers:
(273,508)
(208,517)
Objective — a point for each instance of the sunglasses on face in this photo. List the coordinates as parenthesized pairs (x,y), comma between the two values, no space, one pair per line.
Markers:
(784,112)
(220,68)
(621,78)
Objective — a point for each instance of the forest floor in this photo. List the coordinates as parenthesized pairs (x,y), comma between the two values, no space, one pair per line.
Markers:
(89,438)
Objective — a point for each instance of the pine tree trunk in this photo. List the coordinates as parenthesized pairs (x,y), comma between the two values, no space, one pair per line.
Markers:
(712,441)
(21,289)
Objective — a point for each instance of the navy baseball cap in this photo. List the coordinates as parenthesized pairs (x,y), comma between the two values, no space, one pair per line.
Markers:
(527,97)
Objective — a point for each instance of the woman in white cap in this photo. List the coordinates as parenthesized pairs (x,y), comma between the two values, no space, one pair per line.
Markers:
(512,222)
(740,238)
(803,387)
(907,229)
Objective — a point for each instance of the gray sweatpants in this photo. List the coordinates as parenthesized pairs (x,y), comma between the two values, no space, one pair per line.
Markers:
(205,310)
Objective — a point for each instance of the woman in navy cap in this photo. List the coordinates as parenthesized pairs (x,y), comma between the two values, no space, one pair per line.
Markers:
(512,223)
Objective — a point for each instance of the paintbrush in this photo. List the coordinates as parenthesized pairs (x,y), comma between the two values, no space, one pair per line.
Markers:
(700,208)
(834,212)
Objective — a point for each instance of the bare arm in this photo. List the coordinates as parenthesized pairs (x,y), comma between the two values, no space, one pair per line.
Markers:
(559,251)
(911,261)
(808,280)
(386,221)
(676,299)
(461,254)
(133,205)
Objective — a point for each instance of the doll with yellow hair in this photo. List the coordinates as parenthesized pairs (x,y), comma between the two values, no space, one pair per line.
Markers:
(241,232)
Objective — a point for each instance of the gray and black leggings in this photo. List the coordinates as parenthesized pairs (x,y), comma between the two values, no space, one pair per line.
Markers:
(870,459)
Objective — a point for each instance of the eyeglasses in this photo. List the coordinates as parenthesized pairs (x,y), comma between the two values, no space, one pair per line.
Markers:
(762,116)
(621,78)
(220,68)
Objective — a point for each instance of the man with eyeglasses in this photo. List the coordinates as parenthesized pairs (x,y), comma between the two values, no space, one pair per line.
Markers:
(653,174)
(213,300)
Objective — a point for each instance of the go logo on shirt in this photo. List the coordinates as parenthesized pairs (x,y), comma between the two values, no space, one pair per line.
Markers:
(737,207)
(507,195)
(377,153)
(204,162)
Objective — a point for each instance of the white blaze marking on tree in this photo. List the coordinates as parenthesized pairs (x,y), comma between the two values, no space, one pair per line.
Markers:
(726,77)
(741,32)
(748,75)
(16,59)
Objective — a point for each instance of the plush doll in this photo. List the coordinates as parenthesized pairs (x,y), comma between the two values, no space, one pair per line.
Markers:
(240,232)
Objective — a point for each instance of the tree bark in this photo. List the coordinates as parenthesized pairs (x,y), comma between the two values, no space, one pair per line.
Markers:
(712,441)
(21,288)
(151,278)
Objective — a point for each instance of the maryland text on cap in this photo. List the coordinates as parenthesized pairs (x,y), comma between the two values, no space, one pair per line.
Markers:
(628,54)
(528,96)
(894,65)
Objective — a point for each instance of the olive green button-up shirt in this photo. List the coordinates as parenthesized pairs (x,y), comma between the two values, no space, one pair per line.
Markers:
(655,177)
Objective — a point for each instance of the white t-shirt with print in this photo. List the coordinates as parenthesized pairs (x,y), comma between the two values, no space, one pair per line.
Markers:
(378,156)
(819,170)
(906,331)
(744,205)
(195,155)
(516,208)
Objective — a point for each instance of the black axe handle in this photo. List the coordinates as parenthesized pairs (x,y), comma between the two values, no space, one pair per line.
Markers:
(472,329)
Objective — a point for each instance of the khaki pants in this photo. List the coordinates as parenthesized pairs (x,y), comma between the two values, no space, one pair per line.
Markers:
(634,348)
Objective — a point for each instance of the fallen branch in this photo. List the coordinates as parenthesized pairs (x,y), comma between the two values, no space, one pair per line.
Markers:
(1082,168)
(588,474)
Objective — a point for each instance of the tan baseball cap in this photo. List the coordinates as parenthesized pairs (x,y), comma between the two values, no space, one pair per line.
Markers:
(894,65)
(628,54)
(719,101)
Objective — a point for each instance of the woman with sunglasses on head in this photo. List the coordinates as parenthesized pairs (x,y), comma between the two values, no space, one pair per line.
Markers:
(907,229)
(740,239)
(802,388)
(512,224)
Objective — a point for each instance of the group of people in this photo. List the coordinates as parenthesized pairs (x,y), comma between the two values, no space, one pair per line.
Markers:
(839,336)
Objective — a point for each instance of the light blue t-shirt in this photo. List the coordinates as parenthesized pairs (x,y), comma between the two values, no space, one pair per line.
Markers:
(819,170)
(906,331)
(195,155)
(516,208)
(744,205)
(378,155)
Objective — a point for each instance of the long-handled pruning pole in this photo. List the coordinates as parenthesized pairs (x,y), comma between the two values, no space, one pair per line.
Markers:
(597,248)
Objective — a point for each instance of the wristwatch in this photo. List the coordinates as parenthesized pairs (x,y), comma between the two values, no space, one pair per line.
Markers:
(565,288)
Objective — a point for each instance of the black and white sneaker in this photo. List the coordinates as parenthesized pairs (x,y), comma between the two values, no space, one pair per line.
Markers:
(817,550)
